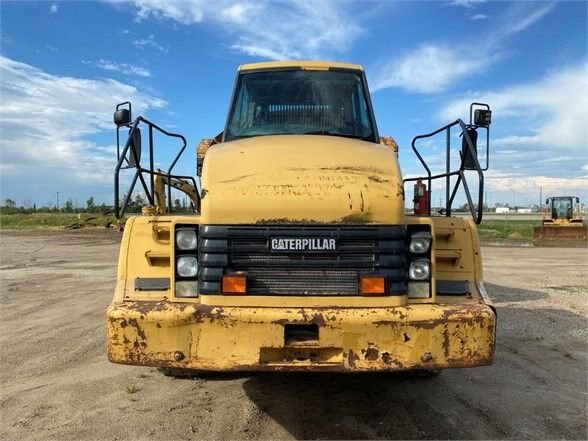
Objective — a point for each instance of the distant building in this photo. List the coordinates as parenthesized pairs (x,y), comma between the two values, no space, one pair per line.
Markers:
(502,210)
(524,210)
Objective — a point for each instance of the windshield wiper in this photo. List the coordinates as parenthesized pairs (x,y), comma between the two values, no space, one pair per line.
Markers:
(326,132)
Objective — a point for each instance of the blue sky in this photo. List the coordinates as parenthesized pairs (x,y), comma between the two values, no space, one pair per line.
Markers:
(64,65)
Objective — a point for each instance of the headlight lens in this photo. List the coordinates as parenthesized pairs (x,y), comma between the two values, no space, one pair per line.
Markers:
(187,288)
(187,266)
(186,239)
(419,270)
(420,243)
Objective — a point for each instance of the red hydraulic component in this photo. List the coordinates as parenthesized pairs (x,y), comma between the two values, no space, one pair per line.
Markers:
(421,199)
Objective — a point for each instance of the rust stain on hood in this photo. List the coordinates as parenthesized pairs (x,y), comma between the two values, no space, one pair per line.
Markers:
(316,178)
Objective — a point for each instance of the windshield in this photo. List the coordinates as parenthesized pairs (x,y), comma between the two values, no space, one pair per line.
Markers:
(561,208)
(300,102)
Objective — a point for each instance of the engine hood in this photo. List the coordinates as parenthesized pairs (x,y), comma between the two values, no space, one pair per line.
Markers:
(301,179)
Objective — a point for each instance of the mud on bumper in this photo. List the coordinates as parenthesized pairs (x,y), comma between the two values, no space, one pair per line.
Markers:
(208,338)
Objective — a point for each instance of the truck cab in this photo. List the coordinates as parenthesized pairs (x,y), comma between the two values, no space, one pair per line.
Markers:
(299,255)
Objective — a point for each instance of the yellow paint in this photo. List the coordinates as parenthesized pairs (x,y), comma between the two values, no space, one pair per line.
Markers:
(306,65)
(252,338)
(146,251)
(307,301)
(301,179)
(458,254)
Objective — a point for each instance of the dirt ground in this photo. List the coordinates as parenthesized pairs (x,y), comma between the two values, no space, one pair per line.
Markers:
(56,382)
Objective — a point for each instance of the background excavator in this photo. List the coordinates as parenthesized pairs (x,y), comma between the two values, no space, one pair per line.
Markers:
(161,180)
(562,224)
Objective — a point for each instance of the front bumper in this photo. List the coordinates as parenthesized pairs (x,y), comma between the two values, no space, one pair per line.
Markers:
(208,338)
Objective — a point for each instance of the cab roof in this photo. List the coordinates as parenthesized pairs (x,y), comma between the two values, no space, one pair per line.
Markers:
(302,64)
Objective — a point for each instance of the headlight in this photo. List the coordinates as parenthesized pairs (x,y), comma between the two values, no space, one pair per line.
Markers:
(420,242)
(187,266)
(419,270)
(186,239)
(187,288)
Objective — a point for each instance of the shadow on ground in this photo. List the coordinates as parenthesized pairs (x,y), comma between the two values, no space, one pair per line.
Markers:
(535,373)
(356,406)
(501,293)
(535,389)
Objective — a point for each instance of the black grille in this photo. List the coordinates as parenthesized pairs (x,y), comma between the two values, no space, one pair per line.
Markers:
(359,251)
(453,287)
(151,283)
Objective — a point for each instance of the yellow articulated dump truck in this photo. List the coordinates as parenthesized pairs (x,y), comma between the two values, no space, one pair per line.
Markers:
(298,254)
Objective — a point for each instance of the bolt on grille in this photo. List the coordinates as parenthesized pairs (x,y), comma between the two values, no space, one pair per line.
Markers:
(359,251)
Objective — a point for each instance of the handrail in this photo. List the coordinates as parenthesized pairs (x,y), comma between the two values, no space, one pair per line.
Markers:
(460,173)
(119,209)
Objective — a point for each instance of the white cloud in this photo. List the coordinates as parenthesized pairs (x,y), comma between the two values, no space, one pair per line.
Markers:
(520,17)
(293,29)
(479,17)
(544,126)
(259,51)
(149,42)
(184,12)
(433,67)
(466,3)
(237,13)
(53,8)
(124,68)
(527,184)
(46,121)
(428,69)
(553,111)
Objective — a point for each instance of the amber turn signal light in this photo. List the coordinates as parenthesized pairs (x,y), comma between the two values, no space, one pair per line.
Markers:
(234,284)
(373,286)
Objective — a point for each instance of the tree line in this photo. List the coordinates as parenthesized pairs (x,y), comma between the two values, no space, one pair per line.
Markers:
(10,206)
(136,203)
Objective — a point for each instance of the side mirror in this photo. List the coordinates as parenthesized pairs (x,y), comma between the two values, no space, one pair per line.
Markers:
(547,201)
(469,161)
(136,147)
(482,117)
(122,117)
(577,200)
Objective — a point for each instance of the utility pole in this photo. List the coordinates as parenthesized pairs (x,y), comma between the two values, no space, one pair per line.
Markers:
(540,197)
(57,199)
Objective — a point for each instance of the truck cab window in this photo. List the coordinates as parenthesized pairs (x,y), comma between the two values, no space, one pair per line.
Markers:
(297,102)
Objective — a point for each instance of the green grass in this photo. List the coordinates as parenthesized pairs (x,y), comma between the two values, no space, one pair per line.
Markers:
(132,388)
(507,229)
(37,220)
(487,230)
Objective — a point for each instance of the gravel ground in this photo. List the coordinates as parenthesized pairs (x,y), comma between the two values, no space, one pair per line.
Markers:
(57,384)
